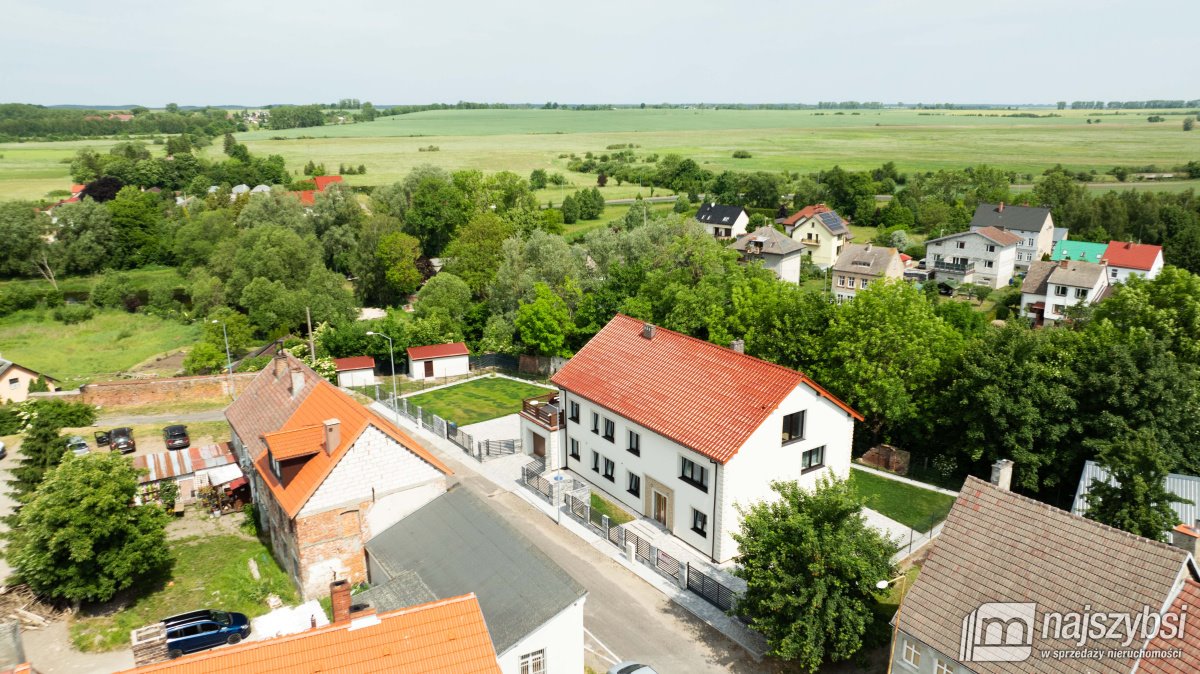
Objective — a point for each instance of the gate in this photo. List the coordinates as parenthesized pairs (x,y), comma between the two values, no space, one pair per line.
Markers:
(710,589)
(491,449)
(667,564)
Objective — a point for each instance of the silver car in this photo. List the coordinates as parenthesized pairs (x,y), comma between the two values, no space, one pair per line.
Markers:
(78,445)
(630,668)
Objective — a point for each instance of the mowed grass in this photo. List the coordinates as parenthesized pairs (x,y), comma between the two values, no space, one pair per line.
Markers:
(200,579)
(616,514)
(477,400)
(911,506)
(113,341)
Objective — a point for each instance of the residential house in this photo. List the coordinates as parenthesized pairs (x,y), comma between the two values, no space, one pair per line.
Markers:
(192,469)
(1050,287)
(1078,250)
(326,473)
(438,360)
(457,543)
(447,636)
(1008,576)
(15,380)
(822,231)
(325,181)
(723,222)
(859,265)
(355,371)
(1032,223)
(985,256)
(680,431)
(1187,510)
(1128,259)
(776,251)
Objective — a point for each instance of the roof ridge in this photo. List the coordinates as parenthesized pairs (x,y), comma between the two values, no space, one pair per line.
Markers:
(712,345)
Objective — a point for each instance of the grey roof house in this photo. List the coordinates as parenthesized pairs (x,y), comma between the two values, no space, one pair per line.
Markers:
(1051,287)
(859,265)
(723,222)
(457,544)
(777,251)
(1033,224)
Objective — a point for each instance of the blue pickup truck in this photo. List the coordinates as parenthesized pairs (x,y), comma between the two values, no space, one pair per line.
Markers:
(199,630)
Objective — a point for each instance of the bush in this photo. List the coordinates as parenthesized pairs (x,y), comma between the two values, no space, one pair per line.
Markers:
(57,413)
(71,314)
(114,290)
(253,364)
(742,154)
(17,296)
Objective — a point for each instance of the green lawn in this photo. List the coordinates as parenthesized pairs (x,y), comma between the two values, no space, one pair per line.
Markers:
(605,507)
(477,400)
(139,279)
(911,506)
(112,341)
(209,573)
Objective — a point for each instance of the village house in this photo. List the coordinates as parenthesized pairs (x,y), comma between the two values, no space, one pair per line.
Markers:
(1007,569)
(1132,259)
(534,608)
(15,380)
(326,473)
(822,231)
(1033,224)
(681,431)
(1051,287)
(355,371)
(859,265)
(776,251)
(723,222)
(1086,251)
(985,256)
(438,360)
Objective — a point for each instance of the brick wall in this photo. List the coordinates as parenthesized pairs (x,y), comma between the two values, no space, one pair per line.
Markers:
(150,391)
(331,548)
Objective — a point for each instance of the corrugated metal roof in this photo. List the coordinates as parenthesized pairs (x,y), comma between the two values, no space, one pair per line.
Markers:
(162,465)
(1183,486)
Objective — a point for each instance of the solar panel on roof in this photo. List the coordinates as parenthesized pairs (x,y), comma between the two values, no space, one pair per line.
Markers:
(829,218)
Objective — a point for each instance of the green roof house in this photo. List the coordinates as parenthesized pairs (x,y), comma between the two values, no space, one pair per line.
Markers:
(1085,251)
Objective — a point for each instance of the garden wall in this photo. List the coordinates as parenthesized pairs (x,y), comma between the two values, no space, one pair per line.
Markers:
(154,391)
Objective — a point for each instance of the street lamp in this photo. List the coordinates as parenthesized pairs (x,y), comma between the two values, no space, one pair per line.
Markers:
(883,585)
(392,357)
(228,360)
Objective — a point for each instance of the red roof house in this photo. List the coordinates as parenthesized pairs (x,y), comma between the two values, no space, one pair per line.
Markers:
(306,197)
(355,371)
(438,360)
(325,181)
(1125,258)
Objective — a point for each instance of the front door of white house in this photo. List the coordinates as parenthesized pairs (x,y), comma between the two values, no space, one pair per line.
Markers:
(660,508)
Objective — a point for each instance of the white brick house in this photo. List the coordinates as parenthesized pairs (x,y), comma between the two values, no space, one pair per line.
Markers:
(1051,287)
(985,256)
(1033,224)
(681,431)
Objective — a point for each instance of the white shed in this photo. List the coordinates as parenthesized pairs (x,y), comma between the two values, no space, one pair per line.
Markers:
(355,371)
(438,360)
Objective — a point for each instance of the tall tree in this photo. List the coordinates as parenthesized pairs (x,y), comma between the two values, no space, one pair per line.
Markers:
(543,324)
(436,212)
(477,250)
(399,253)
(1135,498)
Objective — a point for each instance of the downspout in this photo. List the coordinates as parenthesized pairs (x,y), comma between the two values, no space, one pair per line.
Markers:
(716,486)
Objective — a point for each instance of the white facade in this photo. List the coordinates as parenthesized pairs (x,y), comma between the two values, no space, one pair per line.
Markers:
(786,267)
(970,257)
(361,377)
(663,495)
(1121,274)
(1059,297)
(734,228)
(559,642)
(445,366)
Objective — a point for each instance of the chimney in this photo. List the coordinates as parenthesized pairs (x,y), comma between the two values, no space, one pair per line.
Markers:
(333,435)
(738,345)
(339,597)
(1128,245)
(648,330)
(1002,474)
(1063,263)
(1000,208)
(297,380)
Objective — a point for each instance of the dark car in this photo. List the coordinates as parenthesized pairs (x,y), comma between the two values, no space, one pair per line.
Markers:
(176,437)
(121,440)
(200,630)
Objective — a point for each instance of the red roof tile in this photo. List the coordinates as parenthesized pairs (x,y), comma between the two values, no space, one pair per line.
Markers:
(806,212)
(354,363)
(268,401)
(325,181)
(307,197)
(676,385)
(1132,255)
(441,637)
(1187,644)
(76,189)
(437,351)
(295,443)
(999,235)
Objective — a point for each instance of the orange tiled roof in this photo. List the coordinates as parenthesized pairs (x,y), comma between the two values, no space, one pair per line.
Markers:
(441,637)
(806,212)
(268,402)
(296,442)
(438,351)
(1187,644)
(1132,255)
(307,197)
(677,385)
(325,181)
(326,401)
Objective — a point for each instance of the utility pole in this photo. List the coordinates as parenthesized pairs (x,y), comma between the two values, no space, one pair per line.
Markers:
(312,345)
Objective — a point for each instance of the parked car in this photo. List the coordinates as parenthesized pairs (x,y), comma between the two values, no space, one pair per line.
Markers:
(121,440)
(200,630)
(630,668)
(102,439)
(78,445)
(176,437)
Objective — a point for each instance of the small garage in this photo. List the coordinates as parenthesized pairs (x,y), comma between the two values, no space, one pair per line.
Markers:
(355,371)
(438,360)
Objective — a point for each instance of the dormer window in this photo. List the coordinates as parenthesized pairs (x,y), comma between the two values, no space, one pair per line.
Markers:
(274,465)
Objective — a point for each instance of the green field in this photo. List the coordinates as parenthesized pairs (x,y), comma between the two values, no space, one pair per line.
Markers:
(113,341)
(911,506)
(477,400)
(795,140)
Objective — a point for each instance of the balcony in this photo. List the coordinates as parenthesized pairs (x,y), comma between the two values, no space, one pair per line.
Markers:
(544,410)
(954,267)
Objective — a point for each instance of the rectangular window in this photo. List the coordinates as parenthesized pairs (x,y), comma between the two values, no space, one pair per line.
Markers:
(699,522)
(635,444)
(862,283)
(574,448)
(793,427)
(841,281)
(960,244)
(697,476)
(14,382)
(812,459)
(991,249)
(1059,308)
(609,469)
(1029,242)
(912,654)
(595,461)
(610,430)
(635,485)
(1112,272)
(1080,293)
(595,423)
(574,411)
(941,666)
(988,264)
(1061,291)
(533,663)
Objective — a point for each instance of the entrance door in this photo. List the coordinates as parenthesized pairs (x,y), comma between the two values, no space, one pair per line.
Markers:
(429,368)
(539,445)
(660,508)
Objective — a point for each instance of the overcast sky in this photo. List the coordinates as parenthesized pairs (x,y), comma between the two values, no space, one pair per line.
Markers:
(252,52)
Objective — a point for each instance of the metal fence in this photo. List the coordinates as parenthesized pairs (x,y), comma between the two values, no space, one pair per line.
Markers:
(710,589)
(461,438)
(667,564)
(531,475)
(491,449)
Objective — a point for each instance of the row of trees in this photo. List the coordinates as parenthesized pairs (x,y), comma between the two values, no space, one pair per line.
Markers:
(132,163)
(24,121)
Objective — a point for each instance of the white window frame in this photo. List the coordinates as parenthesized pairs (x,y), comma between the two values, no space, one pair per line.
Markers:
(988,264)
(960,244)
(941,666)
(912,653)
(1081,293)
(862,283)
(991,248)
(533,663)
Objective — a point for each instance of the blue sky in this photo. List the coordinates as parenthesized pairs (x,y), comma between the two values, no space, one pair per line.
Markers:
(252,52)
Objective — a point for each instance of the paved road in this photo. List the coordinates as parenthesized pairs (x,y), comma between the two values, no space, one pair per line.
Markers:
(650,200)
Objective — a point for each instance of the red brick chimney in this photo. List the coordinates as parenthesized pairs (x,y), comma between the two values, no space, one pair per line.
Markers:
(339,597)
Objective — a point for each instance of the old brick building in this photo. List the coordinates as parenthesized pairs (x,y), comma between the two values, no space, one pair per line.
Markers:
(326,473)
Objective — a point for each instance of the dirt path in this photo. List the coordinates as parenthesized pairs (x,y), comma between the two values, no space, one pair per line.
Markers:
(49,650)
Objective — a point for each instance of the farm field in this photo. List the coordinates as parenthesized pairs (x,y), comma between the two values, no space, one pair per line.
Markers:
(795,140)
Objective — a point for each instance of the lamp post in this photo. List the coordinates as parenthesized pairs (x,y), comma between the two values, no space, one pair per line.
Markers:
(391,357)
(883,585)
(228,360)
